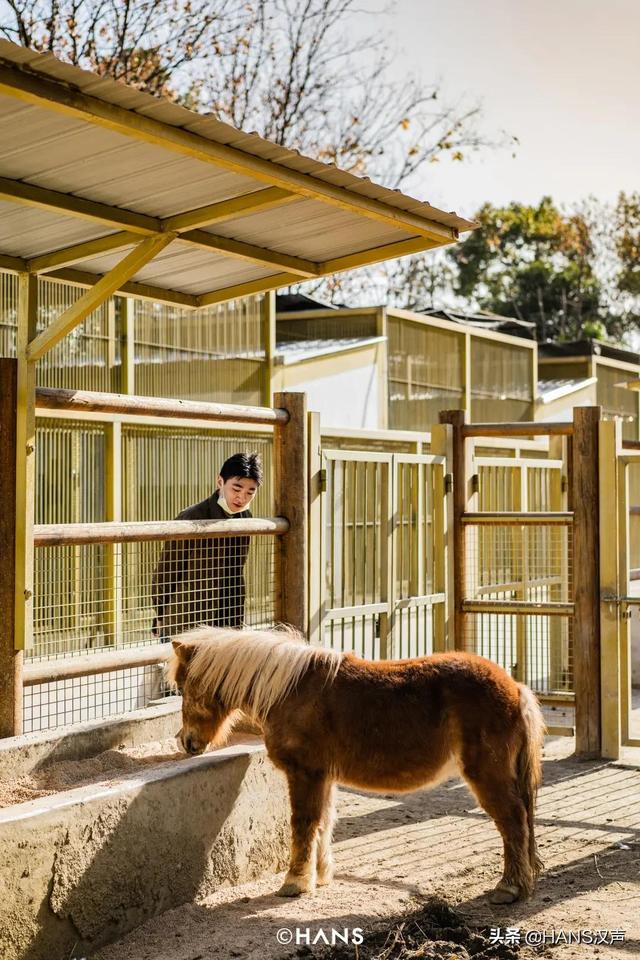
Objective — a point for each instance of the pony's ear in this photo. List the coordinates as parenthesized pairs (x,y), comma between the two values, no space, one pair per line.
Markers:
(183,651)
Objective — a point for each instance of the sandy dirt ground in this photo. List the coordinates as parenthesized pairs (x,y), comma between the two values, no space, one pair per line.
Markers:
(394,852)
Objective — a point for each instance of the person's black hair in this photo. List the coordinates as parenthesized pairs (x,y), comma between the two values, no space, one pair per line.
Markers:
(247,466)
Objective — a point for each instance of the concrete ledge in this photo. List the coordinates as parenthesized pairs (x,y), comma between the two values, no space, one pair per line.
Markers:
(83,867)
(20,756)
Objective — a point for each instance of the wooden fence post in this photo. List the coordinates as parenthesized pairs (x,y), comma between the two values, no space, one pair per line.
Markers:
(316,533)
(443,574)
(586,579)
(461,494)
(290,496)
(127,346)
(10,658)
(268,309)
(113,587)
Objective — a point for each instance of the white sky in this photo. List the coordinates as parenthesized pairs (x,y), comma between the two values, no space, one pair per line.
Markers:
(562,75)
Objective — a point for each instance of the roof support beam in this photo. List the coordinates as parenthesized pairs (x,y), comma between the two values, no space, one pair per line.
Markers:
(139,291)
(247,251)
(96,295)
(31,88)
(13,263)
(247,289)
(375,254)
(198,238)
(16,191)
(81,251)
(229,209)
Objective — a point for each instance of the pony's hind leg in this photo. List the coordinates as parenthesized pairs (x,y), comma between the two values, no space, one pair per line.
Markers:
(498,794)
(324,859)
(308,793)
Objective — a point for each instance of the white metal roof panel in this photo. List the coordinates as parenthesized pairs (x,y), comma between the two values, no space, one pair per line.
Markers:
(53,138)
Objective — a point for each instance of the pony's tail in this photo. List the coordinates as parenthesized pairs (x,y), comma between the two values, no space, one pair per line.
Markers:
(529,769)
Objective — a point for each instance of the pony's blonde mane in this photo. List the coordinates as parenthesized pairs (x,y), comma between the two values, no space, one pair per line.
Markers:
(250,669)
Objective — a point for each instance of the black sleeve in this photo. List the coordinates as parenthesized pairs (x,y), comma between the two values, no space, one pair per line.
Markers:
(168,573)
(231,589)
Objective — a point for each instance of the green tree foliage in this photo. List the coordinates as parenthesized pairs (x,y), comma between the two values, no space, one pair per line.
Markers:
(627,243)
(534,263)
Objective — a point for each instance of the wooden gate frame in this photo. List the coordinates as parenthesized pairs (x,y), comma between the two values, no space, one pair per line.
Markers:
(583,466)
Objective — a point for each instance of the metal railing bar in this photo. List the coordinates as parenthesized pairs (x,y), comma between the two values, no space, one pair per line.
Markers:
(360,610)
(427,600)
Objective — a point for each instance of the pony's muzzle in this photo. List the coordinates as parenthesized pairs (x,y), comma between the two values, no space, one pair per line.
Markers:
(188,743)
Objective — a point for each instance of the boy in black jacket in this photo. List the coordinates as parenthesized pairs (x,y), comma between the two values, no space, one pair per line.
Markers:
(202,581)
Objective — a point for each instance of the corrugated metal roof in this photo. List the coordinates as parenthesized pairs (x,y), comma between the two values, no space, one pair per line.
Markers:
(550,390)
(67,130)
(294,351)
(586,348)
(485,320)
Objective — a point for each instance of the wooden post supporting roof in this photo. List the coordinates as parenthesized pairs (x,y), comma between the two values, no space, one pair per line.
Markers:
(24,475)
(290,483)
(10,658)
(586,579)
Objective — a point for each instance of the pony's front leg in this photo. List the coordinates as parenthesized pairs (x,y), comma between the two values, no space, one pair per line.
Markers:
(324,859)
(308,792)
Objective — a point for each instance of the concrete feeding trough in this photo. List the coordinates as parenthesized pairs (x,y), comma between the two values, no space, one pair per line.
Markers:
(84,865)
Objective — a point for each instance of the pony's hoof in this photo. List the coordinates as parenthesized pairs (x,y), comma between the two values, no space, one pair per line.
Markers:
(504,893)
(290,889)
(324,879)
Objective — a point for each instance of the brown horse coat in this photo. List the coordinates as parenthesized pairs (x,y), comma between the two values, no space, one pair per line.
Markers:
(398,725)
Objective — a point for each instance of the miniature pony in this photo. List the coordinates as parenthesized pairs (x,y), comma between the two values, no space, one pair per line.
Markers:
(394,725)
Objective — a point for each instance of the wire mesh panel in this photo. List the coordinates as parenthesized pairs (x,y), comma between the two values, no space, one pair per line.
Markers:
(515,565)
(325,328)
(426,373)
(536,650)
(88,358)
(111,596)
(501,381)
(166,469)
(77,700)
(214,353)
(414,555)
(616,401)
(355,550)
